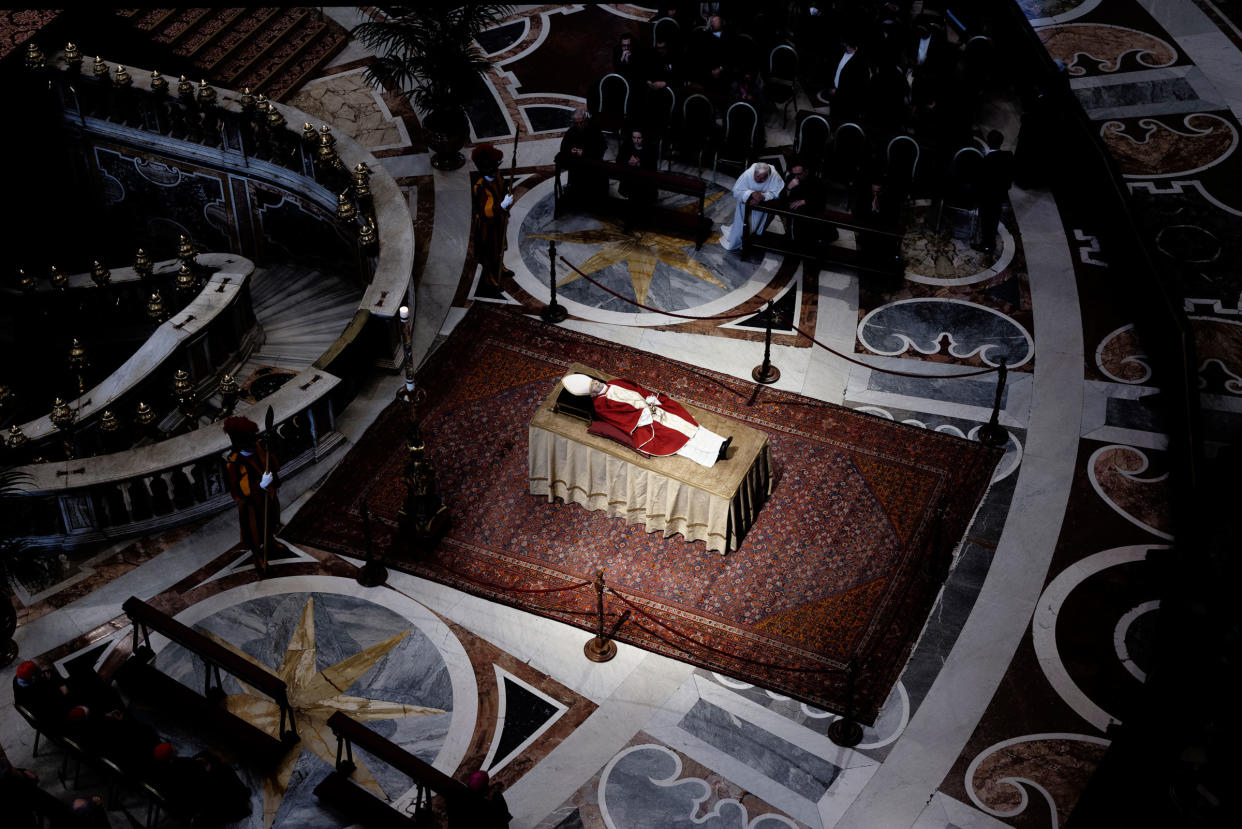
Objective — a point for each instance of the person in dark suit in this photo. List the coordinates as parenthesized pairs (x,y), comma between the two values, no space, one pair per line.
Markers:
(846,90)
(626,60)
(995,178)
(583,140)
(804,193)
(637,151)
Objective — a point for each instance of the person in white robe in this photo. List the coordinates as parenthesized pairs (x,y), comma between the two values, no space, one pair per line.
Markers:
(758,184)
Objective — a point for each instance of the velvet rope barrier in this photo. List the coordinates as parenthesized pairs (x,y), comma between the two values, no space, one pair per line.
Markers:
(827,348)
(705,646)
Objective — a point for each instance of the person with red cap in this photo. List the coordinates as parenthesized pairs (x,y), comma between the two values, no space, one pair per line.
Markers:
(44,693)
(491,200)
(252,474)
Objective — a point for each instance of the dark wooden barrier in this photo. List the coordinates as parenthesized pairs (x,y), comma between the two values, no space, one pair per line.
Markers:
(336,788)
(215,656)
(878,249)
(636,211)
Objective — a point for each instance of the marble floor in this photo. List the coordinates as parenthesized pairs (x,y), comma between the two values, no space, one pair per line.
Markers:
(1041,634)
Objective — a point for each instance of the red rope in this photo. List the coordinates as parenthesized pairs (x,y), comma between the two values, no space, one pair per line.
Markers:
(496,586)
(640,612)
(648,307)
(829,349)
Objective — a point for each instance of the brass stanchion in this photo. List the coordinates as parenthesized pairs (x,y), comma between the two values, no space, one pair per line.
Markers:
(552,312)
(767,373)
(371,573)
(992,433)
(601,648)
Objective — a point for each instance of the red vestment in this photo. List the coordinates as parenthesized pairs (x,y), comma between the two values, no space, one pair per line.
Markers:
(622,404)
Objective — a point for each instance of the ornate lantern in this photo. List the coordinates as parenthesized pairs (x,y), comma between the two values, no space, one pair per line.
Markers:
(206,94)
(142,264)
(366,236)
(184,87)
(159,83)
(187,280)
(143,415)
(16,439)
(122,77)
(58,279)
(345,210)
(73,56)
(25,281)
(101,69)
(155,307)
(35,59)
(100,275)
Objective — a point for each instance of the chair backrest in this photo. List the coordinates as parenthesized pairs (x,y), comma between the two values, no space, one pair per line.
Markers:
(903,159)
(614,94)
(666,29)
(741,123)
(813,136)
(783,63)
(698,113)
(661,114)
(748,54)
(850,138)
(964,171)
(966,162)
(850,152)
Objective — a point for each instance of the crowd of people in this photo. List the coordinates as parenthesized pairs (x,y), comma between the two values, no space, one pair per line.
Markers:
(88,711)
(874,63)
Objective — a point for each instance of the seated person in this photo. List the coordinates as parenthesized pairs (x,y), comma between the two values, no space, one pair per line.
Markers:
(804,193)
(637,151)
(657,424)
(583,140)
(627,63)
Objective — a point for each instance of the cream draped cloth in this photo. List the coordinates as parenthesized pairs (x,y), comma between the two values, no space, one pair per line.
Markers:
(731,235)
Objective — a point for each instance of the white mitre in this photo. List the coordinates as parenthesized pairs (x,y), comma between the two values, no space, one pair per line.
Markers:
(577,383)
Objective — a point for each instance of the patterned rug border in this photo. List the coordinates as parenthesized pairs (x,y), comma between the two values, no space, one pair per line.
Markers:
(894,612)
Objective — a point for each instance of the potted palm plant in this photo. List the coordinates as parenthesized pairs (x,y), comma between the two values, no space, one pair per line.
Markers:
(429,52)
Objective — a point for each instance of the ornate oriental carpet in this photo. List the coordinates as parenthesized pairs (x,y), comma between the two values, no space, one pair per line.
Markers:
(823,600)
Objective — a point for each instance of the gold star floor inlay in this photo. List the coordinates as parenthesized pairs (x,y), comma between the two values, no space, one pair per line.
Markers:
(315,696)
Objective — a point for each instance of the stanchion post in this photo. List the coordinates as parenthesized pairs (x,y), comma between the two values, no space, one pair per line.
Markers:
(992,433)
(552,312)
(767,373)
(844,731)
(600,648)
(372,573)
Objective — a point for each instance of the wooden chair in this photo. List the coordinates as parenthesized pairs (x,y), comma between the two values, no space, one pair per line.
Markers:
(850,153)
(813,141)
(902,157)
(738,144)
(960,190)
(697,132)
(782,78)
(612,103)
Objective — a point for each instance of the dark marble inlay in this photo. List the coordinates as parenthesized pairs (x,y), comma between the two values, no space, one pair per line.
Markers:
(545,118)
(525,712)
(925,325)
(786,309)
(794,768)
(1159,92)
(1145,414)
(968,391)
(502,37)
(646,788)
(485,113)
(574,821)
